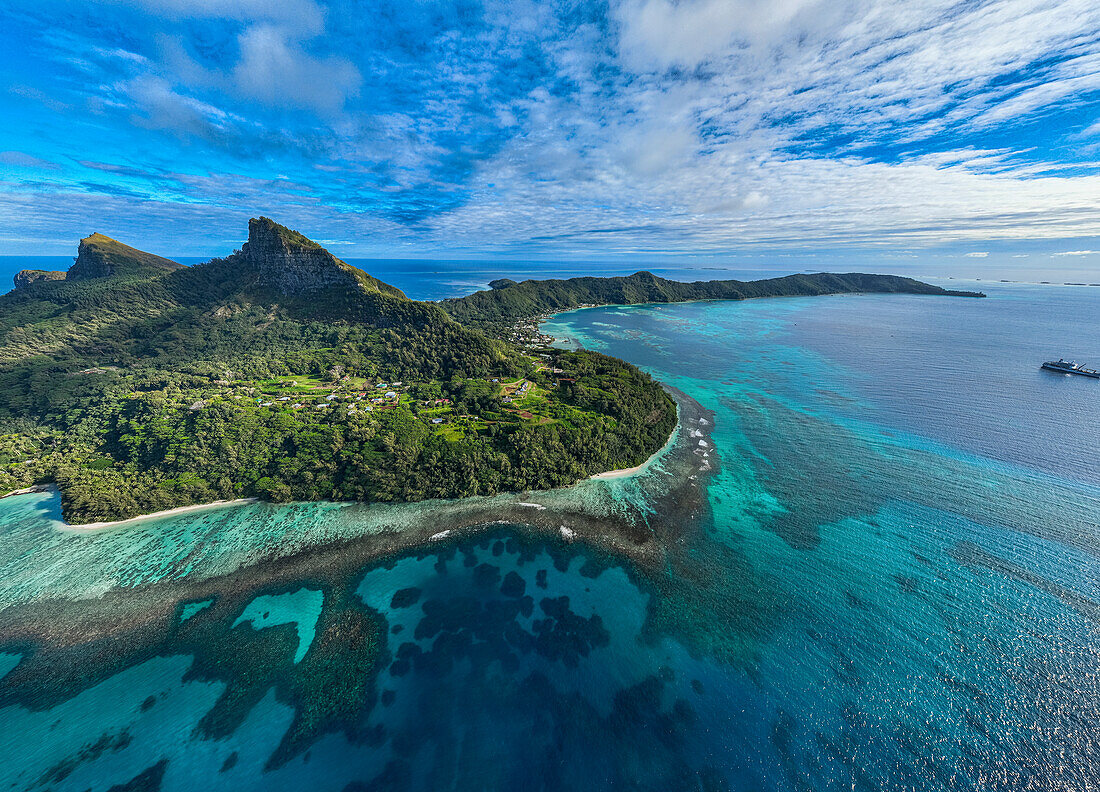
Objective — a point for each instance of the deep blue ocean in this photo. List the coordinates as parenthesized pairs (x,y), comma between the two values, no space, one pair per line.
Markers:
(897,587)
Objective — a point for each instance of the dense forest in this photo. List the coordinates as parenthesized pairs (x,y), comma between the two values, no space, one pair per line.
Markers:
(508,301)
(284,373)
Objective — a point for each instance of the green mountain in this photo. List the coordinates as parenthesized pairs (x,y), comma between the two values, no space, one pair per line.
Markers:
(292,264)
(100,256)
(507,300)
(282,372)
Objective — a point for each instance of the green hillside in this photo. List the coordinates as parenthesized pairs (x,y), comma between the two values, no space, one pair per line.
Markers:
(282,372)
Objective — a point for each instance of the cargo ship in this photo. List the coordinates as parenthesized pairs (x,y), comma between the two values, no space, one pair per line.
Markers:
(1069,367)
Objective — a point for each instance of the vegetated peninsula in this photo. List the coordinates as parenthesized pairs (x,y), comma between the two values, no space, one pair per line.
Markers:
(281,372)
(507,301)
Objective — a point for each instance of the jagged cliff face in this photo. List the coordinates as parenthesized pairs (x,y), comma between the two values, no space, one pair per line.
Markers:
(27,277)
(292,264)
(285,262)
(100,256)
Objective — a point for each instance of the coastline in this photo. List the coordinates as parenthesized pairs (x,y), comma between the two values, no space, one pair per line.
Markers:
(637,517)
(622,473)
(609,475)
(196,507)
(231,558)
(546,317)
(641,517)
(157,515)
(29,490)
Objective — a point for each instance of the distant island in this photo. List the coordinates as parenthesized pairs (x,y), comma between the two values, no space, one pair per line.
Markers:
(508,301)
(135,384)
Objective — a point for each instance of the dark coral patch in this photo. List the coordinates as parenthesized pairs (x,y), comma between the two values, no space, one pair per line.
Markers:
(403,598)
(148,780)
(513,585)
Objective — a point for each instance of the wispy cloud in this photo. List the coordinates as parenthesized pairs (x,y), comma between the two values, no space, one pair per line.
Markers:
(21,159)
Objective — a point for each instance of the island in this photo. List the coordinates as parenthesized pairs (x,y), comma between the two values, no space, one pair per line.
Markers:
(508,302)
(280,372)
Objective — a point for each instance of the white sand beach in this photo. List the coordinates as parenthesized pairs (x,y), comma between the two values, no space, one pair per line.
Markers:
(159,514)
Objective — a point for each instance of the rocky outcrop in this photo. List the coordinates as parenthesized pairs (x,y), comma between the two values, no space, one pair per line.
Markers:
(100,256)
(27,277)
(294,265)
(291,263)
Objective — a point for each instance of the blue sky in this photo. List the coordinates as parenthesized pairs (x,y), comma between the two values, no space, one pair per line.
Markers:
(708,129)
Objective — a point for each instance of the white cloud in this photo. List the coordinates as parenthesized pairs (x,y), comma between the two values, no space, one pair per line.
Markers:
(869,66)
(978,254)
(663,33)
(1078,253)
(717,158)
(275,69)
(787,201)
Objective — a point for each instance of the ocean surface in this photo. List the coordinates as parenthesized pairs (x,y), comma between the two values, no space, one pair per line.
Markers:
(897,587)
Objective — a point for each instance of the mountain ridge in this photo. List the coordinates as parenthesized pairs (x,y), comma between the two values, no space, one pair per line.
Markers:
(506,300)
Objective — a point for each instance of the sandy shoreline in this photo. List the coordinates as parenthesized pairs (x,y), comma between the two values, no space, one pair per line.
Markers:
(625,472)
(610,474)
(156,515)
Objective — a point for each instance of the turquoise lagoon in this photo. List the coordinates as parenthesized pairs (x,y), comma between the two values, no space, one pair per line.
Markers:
(895,587)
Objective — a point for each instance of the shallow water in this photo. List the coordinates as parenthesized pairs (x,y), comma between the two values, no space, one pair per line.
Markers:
(897,588)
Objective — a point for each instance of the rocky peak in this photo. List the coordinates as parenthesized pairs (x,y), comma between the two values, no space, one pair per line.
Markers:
(27,277)
(99,256)
(292,263)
